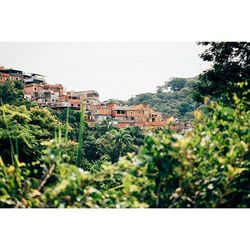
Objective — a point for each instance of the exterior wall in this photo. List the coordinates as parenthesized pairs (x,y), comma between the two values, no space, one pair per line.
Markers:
(120,118)
(118,113)
(10,74)
(112,105)
(123,125)
(91,97)
(63,98)
(55,96)
(31,88)
(76,103)
(100,118)
(56,88)
(4,77)
(134,113)
(59,105)
(104,111)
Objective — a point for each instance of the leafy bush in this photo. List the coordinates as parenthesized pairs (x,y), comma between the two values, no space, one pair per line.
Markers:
(22,130)
(208,167)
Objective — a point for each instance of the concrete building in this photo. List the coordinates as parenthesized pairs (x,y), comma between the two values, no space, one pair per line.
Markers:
(55,96)
(10,74)
(91,97)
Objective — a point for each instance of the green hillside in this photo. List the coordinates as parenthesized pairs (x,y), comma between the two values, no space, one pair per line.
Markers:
(173,98)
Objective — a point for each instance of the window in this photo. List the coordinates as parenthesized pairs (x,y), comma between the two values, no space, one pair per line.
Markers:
(121,112)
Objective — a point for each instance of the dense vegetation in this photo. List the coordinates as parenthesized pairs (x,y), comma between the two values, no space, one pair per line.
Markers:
(51,159)
(173,98)
(231,67)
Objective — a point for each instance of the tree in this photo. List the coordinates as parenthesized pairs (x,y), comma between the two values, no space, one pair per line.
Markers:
(175,84)
(104,126)
(137,135)
(230,66)
(73,120)
(122,138)
(22,130)
(11,92)
(172,98)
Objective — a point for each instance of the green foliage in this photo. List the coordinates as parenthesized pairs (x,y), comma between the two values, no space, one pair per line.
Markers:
(25,128)
(121,168)
(71,119)
(208,167)
(231,66)
(99,144)
(172,99)
(11,92)
(22,187)
(107,143)
(176,84)
(80,136)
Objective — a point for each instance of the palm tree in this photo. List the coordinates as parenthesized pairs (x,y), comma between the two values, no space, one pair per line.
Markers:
(122,138)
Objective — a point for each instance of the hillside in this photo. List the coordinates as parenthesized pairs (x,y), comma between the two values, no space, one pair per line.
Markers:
(173,98)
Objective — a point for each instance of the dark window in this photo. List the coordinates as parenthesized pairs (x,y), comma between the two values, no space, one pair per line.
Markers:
(121,112)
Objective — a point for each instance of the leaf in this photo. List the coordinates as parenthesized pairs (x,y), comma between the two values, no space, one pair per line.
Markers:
(35,193)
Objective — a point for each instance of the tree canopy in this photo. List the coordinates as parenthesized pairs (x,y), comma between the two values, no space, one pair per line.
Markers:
(230,67)
(54,160)
(173,98)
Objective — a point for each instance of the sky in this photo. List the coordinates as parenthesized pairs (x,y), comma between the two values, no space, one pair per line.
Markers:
(117,70)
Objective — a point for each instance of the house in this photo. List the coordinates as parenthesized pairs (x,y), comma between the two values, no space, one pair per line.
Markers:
(102,113)
(3,75)
(56,97)
(30,78)
(91,97)
(10,74)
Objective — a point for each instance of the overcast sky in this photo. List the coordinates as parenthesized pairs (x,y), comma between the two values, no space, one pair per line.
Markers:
(115,70)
